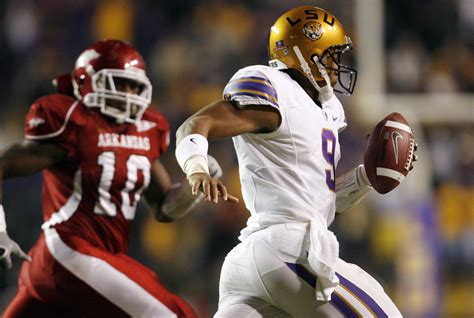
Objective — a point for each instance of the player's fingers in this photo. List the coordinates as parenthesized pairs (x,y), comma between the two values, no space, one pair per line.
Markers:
(21,254)
(195,188)
(6,263)
(3,251)
(214,192)
(415,157)
(232,199)
(223,190)
(206,189)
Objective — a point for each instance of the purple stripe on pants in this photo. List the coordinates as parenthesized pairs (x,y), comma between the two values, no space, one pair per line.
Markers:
(336,301)
(378,311)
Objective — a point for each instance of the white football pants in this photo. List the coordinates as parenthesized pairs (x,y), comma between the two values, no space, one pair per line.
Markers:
(268,275)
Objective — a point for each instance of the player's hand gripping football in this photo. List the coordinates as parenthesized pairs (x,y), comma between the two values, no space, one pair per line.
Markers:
(210,185)
(8,247)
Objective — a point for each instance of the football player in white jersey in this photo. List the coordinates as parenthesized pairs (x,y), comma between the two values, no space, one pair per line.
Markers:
(284,120)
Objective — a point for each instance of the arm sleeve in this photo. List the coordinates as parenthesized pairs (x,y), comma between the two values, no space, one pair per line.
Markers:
(49,120)
(251,86)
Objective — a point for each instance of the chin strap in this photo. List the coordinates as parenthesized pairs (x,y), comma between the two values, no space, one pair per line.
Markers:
(325,92)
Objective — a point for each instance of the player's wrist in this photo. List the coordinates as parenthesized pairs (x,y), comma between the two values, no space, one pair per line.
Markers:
(3,223)
(195,164)
(191,154)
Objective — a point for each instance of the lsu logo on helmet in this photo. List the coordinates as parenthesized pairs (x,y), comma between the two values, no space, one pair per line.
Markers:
(313,30)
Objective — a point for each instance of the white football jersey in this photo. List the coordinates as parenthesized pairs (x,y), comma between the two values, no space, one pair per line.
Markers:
(287,175)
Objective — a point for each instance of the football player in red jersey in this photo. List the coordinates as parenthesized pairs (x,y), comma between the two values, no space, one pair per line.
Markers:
(98,145)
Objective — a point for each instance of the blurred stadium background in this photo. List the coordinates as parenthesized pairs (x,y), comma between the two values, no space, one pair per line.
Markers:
(414,57)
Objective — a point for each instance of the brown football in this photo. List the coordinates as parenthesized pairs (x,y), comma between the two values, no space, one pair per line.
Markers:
(389,153)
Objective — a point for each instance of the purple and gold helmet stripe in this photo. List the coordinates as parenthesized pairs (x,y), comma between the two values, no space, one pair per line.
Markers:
(252,86)
(337,300)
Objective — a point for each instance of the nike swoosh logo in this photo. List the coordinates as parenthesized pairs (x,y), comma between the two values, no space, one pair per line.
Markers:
(192,140)
(395,136)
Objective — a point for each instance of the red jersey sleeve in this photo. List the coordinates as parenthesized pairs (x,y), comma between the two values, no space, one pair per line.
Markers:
(49,120)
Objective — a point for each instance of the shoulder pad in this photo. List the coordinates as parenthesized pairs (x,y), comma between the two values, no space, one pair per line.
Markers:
(153,119)
(252,85)
(48,116)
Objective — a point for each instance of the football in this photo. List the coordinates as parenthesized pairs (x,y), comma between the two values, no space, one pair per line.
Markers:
(389,153)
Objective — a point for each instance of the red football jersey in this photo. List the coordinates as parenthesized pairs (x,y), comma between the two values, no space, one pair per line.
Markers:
(94,193)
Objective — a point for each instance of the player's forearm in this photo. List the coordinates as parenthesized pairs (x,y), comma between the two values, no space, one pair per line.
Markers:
(11,162)
(1,184)
(3,223)
(11,165)
(28,157)
(225,119)
(351,188)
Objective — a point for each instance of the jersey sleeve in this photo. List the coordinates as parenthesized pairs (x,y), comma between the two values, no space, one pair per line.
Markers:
(251,86)
(49,120)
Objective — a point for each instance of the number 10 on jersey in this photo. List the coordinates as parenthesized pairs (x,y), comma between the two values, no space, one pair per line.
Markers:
(130,194)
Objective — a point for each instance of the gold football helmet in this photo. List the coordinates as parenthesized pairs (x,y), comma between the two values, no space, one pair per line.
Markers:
(312,41)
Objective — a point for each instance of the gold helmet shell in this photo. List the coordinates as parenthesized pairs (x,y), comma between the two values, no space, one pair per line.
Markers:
(314,32)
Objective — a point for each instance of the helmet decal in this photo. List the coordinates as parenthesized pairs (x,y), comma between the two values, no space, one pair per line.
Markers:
(280,48)
(84,60)
(313,30)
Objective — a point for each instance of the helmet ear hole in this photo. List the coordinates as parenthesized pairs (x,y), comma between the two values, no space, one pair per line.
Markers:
(82,78)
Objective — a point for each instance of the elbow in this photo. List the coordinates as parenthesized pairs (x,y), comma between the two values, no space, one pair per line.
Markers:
(180,132)
(186,128)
